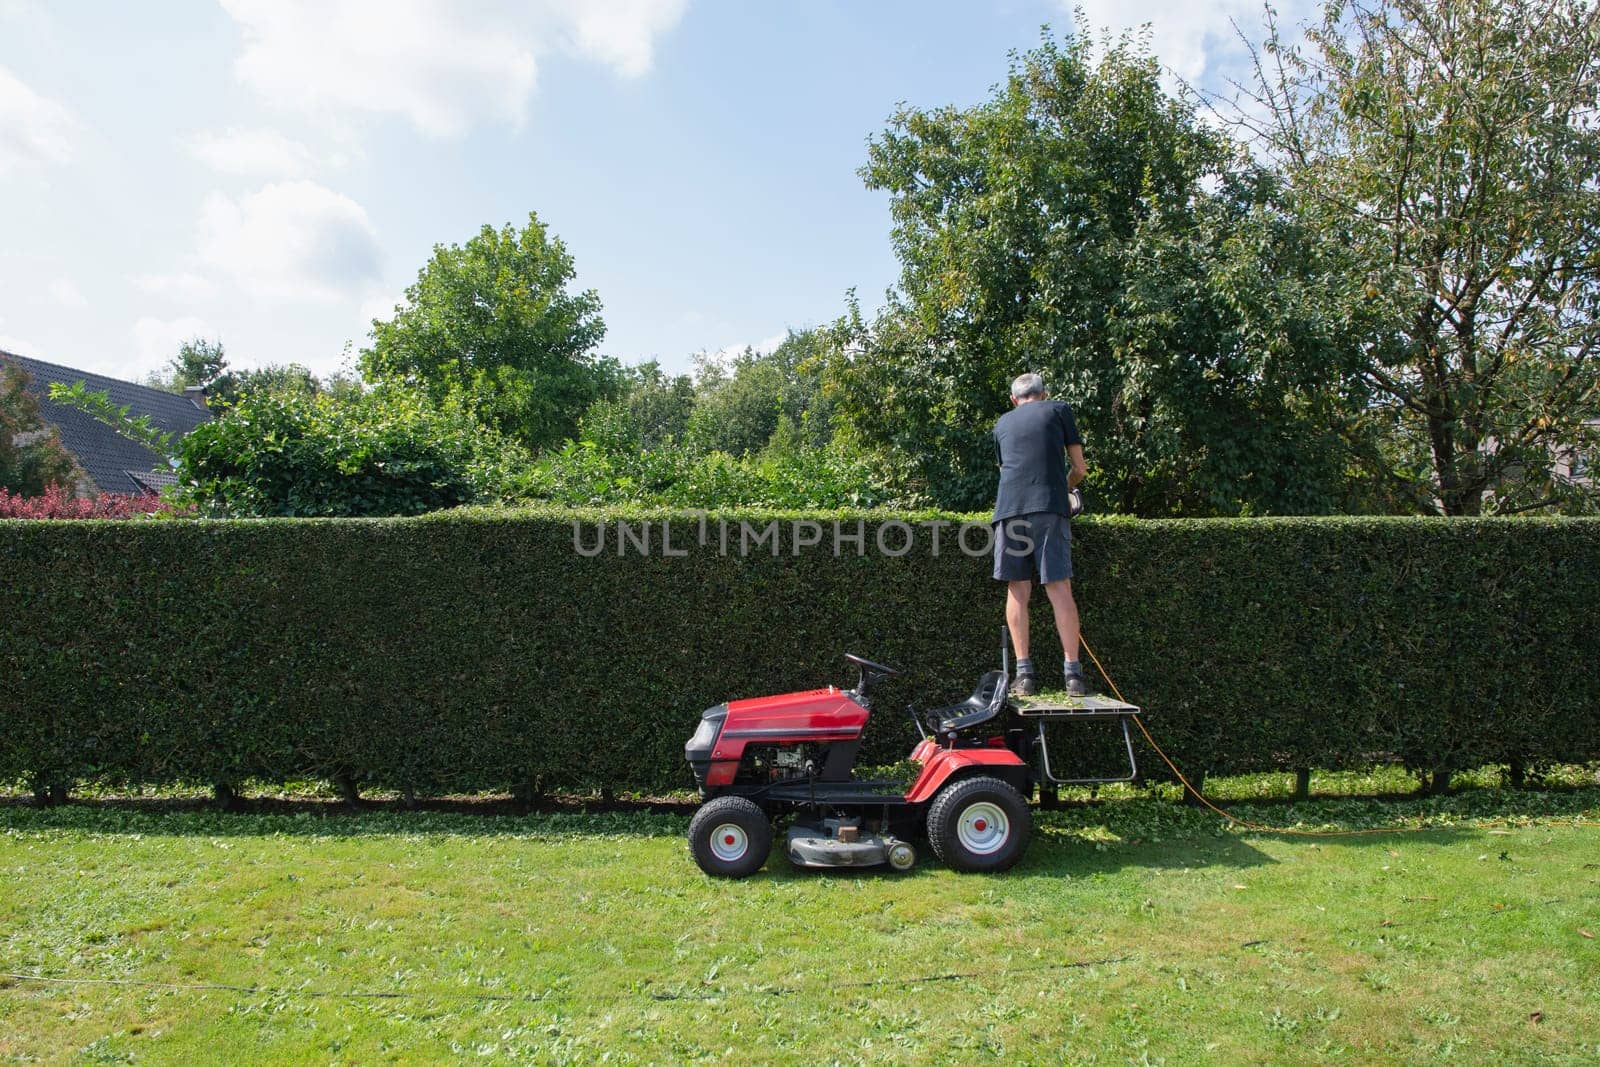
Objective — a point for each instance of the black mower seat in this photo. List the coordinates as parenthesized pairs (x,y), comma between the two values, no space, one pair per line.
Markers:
(984,704)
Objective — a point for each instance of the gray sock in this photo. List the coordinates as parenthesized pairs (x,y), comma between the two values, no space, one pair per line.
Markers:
(1074,668)
(1025,665)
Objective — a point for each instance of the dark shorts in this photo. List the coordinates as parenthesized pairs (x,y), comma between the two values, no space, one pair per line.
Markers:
(1036,547)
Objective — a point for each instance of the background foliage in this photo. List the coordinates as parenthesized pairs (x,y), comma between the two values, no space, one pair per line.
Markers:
(384,452)
(478,650)
(1444,154)
(1086,224)
(751,430)
(494,325)
(56,503)
(28,468)
(1370,288)
(204,362)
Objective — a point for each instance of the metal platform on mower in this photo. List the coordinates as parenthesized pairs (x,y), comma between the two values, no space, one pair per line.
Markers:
(1063,707)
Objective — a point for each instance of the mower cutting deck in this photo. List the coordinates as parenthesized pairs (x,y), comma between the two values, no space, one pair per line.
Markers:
(792,756)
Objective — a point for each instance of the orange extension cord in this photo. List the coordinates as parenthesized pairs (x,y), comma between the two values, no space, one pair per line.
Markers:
(1246,823)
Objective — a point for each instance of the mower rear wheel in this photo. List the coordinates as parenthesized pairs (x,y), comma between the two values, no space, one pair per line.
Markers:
(730,837)
(979,824)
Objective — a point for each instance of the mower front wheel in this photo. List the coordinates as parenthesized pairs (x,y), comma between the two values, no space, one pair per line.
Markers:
(730,837)
(979,824)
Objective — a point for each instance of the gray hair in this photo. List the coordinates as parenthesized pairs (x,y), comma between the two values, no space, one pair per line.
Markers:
(1027,385)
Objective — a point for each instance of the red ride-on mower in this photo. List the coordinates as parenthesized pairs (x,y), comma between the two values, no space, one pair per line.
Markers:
(794,755)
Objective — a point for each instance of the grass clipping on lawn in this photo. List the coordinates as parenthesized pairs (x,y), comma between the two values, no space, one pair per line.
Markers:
(1133,929)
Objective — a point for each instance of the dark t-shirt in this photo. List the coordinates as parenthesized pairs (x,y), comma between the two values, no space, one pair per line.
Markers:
(1030,442)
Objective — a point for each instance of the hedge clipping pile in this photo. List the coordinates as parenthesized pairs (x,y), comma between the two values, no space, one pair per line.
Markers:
(479,651)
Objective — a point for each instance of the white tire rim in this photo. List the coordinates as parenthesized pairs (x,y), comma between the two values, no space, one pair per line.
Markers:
(983,828)
(729,842)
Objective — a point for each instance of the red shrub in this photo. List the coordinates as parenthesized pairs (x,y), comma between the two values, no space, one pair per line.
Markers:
(57,503)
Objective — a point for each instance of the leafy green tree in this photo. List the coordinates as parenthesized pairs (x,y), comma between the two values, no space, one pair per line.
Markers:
(785,441)
(199,361)
(585,473)
(280,379)
(1447,152)
(1227,369)
(99,405)
(659,404)
(755,430)
(741,405)
(31,459)
(737,411)
(801,357)
(1085,224)
(652,411)
(495,323)
(386,452)
(204,363)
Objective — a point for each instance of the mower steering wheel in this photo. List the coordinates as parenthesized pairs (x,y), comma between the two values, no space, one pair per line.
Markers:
(868,665)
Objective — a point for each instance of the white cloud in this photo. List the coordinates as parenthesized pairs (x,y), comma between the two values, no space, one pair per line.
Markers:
(17,346)
(156,341)
(33,129)
(378,307)
(183,286)
(622,33)
(431,63)
(1195,41)
(19,12)
(267,153)
(443,65)
(290,241)
(765,346)
(66,293)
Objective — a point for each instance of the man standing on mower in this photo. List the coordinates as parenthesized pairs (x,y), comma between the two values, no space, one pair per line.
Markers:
(1032,508)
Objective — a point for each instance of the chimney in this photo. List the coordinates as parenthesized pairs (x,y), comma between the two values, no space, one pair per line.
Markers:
(197,395)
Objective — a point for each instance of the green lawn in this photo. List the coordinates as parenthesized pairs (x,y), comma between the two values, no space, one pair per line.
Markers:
(1135,930)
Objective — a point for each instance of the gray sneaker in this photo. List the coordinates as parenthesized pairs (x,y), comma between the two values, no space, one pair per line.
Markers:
(1076,685)
(1026,684)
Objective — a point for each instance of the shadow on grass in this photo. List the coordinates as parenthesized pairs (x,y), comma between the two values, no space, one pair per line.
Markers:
(1084,837)
(1079,859)
(1052,855)
(309,817)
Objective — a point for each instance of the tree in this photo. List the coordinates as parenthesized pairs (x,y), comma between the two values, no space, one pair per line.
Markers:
(1447,152)
(1085,224)
(31,459)
(495,323)
(199,362)
(740,405)
(98,405)
(278,379)
(652,411)
(205,363)
(389,451)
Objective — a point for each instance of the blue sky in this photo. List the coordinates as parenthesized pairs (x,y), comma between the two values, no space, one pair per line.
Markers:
(274,172)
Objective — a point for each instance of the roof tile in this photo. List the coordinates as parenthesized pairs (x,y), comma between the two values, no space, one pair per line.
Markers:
(108,457)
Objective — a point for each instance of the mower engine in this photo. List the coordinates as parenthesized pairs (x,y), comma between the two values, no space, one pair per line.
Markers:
(796,736)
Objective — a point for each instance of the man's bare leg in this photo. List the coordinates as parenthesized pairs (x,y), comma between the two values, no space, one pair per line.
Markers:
(1066,608)
(1017,596)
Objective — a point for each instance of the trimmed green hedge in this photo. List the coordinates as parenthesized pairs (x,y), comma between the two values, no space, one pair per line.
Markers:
(478,651)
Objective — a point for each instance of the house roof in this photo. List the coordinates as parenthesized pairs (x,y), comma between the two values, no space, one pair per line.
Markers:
(113,462)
